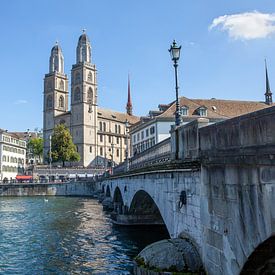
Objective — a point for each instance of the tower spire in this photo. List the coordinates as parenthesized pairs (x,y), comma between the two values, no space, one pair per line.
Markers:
(129,106)
(268,93)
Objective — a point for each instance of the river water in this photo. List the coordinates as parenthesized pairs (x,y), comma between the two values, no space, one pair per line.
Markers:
(66,235)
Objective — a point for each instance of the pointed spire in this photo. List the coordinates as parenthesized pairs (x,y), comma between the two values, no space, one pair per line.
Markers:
(268,93)
(129,106)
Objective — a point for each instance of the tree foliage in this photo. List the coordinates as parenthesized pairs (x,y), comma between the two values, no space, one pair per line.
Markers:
(63,148)
(35,146)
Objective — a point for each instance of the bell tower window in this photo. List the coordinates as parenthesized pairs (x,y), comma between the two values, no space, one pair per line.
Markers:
(49,102)
(77,94)
(77,78)
(61,102)
(61,85)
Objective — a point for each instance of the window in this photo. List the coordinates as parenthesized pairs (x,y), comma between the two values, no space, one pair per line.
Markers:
(101,151)
(90,96)
(90,77)
(116,129)
(77,94)
(142,135)
(101,138)
(49,102)
(100,126)
(91,149)
(117,140)
(104,126)
(117,152)
(61,85)
(110,139)
(125,141)
(147,132)
(138,137)
(134,138)
(119,129)
(61,101)
(203,111)
(184,111)
(152,130)
(77,78)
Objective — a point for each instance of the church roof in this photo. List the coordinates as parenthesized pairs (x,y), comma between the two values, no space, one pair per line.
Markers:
(116,116)
(216,108)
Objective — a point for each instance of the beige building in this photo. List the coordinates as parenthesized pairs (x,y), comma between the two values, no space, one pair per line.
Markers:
(12,155)
(100,135)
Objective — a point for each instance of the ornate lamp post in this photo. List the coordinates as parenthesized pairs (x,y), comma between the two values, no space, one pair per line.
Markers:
(127,145)
(175,56)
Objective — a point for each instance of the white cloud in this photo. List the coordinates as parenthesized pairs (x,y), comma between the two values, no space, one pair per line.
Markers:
(246,26)
(20,101)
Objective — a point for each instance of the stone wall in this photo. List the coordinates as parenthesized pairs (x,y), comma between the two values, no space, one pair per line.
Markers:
(164,188)
(237,189)
(49,189)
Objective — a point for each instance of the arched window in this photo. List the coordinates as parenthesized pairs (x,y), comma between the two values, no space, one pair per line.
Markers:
(90,95)
(61,101)
(90,77)
(77,94)
(49,102)
(77,78)
(61,85)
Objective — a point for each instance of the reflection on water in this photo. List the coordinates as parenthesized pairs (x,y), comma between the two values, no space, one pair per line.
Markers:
(66,236)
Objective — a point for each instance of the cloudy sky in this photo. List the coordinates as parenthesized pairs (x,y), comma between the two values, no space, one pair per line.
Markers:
(224,44)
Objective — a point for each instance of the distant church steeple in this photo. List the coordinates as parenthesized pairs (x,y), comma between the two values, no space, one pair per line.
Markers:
(56,60)
(83,50)
(268,93)
(129,106)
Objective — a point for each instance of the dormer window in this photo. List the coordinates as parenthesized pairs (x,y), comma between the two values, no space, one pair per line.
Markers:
(202,111)
(184,111)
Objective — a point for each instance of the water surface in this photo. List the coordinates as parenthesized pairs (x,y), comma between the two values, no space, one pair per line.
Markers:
(65,235)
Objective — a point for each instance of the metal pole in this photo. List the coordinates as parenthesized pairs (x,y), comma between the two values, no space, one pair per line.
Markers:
(50,157)
(177,115)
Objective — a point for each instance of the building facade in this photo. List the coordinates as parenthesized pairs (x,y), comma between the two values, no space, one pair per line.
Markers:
(12,155)
(156,127)
(98,134)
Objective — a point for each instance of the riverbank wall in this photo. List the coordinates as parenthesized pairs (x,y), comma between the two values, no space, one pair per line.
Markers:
(48,189)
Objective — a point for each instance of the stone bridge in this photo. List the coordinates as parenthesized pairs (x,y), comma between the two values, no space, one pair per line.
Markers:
(218,192)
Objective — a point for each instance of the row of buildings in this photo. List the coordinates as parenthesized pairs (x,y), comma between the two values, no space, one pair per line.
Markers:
(105,137)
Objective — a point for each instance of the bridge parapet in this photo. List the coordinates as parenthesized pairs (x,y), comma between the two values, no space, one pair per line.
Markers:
(243,137)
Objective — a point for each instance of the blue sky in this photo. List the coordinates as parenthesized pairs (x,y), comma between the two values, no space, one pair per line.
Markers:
(222,57)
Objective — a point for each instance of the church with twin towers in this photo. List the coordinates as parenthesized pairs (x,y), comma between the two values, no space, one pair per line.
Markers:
(100,135)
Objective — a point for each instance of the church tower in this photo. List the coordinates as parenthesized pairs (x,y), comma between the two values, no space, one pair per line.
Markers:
(55,94)
(84,102)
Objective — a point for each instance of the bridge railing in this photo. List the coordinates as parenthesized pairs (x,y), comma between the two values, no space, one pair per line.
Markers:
(157,154)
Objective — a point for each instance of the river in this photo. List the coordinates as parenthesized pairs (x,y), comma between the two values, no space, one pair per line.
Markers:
(66,235)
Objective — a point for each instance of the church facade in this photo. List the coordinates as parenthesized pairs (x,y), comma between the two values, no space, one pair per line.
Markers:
(100,135)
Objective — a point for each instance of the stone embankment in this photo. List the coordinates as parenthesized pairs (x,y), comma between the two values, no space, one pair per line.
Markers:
(84,188)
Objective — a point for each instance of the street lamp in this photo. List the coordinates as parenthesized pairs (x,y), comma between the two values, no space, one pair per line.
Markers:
(50,156)
(127,146)
(175,56)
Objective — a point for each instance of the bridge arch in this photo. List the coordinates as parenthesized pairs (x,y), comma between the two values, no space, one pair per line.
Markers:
(143,205)
(118,201)
(108,191)
(262,259)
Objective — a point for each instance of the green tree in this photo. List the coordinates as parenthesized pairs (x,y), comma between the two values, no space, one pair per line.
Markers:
(35,147)
(63,148)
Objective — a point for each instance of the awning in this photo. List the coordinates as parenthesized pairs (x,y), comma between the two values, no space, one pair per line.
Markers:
(23,177)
